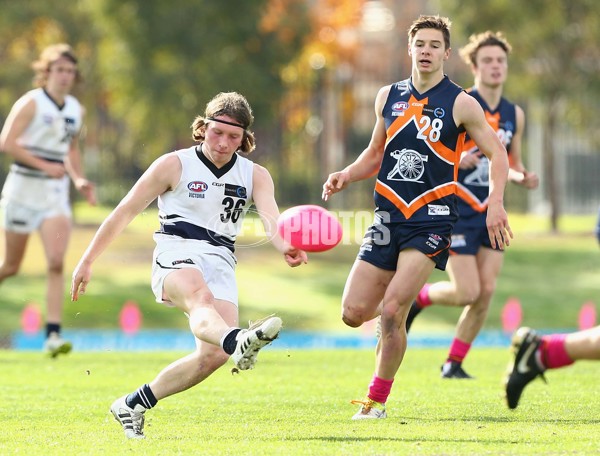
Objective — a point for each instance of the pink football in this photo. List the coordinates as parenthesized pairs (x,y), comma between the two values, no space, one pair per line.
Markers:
(310,228)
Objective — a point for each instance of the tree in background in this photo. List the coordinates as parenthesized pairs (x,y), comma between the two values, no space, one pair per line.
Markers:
(313,99)
(150,64)
(301,63)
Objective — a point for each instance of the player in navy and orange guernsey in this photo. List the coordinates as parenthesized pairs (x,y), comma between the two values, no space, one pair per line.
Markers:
(474,263)
(414,152)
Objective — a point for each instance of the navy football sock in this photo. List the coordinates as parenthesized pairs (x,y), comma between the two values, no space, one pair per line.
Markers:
(143,396)
(228,342)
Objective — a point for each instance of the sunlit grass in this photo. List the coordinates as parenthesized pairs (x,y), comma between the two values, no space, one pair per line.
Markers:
(295,402)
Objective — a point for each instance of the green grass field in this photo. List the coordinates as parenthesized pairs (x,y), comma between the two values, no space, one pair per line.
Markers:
(295,403)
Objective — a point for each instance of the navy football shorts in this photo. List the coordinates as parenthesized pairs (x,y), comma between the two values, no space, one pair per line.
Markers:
(469,235)
(383,243)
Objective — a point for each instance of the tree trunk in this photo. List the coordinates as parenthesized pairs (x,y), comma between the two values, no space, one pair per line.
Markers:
(550,163)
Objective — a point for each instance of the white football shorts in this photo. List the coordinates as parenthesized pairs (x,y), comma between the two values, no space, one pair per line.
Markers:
(217,265)
(28,201)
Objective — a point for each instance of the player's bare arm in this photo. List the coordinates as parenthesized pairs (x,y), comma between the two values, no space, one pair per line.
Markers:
(468,112)
(517,172)
(263,194)
(368,162)
(161,176)
(75,169)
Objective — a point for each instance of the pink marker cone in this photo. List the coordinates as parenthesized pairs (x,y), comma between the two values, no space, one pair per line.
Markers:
(31,319)
(130,318)
(587,316)
(511,315)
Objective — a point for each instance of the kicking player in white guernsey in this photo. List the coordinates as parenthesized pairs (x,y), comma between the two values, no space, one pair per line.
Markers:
(41,134)
(203,194)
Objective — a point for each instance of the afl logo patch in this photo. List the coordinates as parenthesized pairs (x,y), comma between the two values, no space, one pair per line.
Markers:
(400,107)
(197,186)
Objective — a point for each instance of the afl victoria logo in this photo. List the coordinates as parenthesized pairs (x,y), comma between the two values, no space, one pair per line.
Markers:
(197,186)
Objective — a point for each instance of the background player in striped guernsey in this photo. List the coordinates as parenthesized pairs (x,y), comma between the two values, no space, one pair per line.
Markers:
(414,151)
(203,194)
(474,263)
(41,134)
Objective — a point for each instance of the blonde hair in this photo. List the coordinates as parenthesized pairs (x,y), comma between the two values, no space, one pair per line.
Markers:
(477,41)
(49,56)
(230,104)
(442,24)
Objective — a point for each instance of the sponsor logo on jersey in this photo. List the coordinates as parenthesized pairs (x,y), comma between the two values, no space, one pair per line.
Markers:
(437,209)
(435,111)
(236,190)
(197,187)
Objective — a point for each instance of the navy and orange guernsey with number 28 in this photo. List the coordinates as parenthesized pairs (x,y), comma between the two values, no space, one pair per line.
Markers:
(417,179)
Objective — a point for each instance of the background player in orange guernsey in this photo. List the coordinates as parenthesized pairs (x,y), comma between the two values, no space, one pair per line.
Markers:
(414,151)
(474,264)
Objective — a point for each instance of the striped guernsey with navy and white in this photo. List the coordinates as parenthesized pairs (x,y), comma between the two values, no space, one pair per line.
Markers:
(50,132)
(209,203)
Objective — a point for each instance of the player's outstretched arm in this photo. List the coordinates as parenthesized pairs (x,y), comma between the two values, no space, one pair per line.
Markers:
(517,172)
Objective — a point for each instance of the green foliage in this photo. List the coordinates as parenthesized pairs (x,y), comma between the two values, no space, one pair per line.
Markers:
(295,402)
(151,66)
(171,58)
